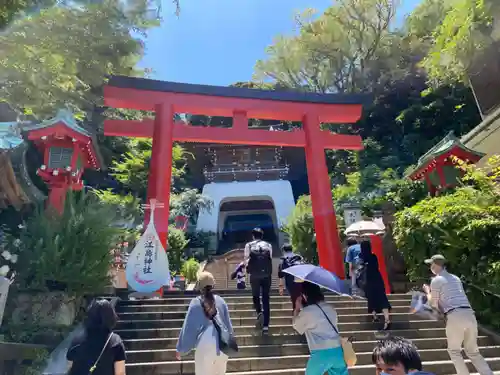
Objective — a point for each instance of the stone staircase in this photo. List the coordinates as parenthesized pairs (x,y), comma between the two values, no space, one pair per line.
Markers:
(150,330)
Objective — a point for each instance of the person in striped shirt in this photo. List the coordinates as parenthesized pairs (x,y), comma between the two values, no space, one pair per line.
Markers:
(239,275)
(446,293)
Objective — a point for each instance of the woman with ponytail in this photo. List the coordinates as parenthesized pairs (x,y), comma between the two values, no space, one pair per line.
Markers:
(199,331)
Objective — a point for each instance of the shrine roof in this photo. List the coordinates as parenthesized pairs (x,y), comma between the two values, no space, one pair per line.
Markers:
(449,144)
(236,92)
(64,116)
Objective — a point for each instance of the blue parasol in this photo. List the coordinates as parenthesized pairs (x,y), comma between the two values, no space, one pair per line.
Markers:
(319,276)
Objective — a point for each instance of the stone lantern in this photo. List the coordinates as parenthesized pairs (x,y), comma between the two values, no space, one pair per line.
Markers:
(68,149)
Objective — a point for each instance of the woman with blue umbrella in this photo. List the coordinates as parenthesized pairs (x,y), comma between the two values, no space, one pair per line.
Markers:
(317,320)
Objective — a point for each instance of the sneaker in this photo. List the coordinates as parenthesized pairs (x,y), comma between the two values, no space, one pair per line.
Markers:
(260,321)
(265,330)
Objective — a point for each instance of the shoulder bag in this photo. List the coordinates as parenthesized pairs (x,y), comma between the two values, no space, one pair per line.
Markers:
(227,341)
(350,357)
(94,366)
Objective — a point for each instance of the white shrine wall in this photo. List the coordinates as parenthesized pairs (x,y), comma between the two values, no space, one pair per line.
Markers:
(279,192)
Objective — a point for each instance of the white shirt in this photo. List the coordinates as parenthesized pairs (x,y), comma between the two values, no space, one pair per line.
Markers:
(312,323)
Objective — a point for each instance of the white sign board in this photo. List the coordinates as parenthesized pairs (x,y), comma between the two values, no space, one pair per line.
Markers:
(147,266)
(352,214)
(4,291)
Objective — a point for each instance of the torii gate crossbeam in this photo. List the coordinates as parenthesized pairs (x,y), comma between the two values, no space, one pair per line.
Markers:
(167,98)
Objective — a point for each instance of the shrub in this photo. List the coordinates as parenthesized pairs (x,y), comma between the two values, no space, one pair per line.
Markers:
(176,245)
(190,270)
(70,251)
(300,228)
(463,225)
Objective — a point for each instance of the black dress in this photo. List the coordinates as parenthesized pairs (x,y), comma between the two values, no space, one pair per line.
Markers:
(375,288)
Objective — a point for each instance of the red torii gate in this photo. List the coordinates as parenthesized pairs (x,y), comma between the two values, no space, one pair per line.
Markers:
(168,98)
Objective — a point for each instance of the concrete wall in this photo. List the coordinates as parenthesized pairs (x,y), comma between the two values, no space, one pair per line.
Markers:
(279,192)
(485,137)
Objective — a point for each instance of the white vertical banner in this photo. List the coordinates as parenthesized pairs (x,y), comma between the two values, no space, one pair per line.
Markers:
(4,291)
(147,266)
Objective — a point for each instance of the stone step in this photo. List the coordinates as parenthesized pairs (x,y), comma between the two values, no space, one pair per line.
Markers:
(159,354)
(435,359)
(283,316)
(283,329)
(247,297)
(156,320)
(166,313)
(246,305)
(425,342)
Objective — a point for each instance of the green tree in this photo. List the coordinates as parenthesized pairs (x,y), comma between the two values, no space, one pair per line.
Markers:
(9,9)
(61,56)
(467,29)
(300,228)
(176,244)
(349,48)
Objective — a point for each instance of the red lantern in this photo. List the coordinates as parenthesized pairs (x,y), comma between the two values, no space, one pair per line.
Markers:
(68,149)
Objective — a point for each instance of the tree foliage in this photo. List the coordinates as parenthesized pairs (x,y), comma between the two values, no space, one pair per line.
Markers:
(72,250)
(300,228)
(463,225)
(345,49)
(176,244)
(61,56)
(10,9)
(467,29)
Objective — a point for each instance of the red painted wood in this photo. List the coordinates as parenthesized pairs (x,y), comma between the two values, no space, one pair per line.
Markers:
(57,197)
(161,163)
(312,138)
(378,250)
(222,106)
(455,151)
(187,133)
(325,222)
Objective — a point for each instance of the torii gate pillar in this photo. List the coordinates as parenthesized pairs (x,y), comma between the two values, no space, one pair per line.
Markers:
(325,221)
(167,98)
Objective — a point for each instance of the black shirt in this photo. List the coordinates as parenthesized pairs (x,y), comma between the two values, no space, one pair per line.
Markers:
(85,349)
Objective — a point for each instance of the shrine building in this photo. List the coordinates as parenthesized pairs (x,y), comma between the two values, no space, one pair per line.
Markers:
(250,186)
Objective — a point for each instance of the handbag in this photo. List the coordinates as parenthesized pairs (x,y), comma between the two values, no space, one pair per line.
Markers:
(94,366)
(227,341)
(361,276)
(350,356)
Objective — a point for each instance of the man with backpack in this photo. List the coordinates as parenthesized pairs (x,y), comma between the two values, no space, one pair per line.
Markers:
(289,259)
(258,258)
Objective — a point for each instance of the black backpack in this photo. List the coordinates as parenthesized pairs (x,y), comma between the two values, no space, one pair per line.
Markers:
(260,264)
(287,262)
(294,260)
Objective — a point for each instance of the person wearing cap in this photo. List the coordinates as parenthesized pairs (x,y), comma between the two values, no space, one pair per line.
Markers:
(446,293)
(198,330)
(258,259)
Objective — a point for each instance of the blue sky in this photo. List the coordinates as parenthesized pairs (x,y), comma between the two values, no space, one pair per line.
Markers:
(218,41)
